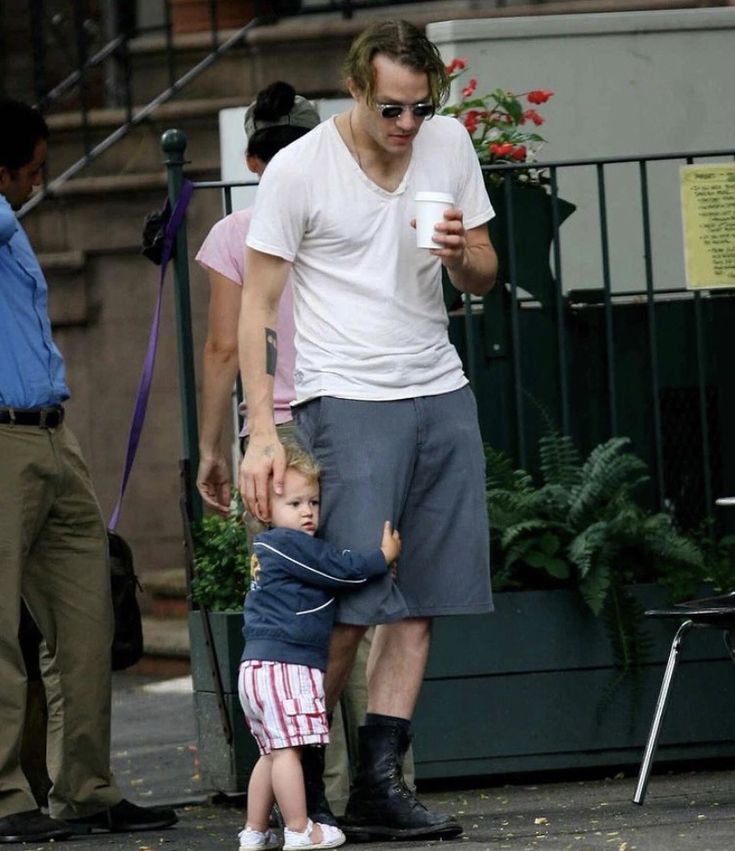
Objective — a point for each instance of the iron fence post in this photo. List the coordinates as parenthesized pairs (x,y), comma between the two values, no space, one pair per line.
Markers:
(173,143)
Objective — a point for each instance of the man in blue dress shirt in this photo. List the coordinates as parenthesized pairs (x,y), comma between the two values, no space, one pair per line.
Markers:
(53,545)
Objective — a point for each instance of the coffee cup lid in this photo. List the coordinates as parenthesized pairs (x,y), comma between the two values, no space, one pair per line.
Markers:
(441,197)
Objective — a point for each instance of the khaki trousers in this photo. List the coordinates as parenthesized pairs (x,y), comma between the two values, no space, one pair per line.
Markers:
(53,553)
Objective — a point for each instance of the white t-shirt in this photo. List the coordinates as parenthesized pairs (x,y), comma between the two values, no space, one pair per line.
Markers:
(224,251)
(370,317)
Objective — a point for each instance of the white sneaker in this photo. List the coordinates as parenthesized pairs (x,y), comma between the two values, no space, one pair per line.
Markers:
(332,837)
(257,840)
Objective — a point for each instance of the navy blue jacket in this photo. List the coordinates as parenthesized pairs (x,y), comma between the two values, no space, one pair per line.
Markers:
(290,608)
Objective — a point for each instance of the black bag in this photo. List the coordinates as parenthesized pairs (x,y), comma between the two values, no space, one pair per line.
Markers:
(154,233)
(127,643)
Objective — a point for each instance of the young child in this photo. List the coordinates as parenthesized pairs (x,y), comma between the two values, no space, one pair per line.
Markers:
(289,613)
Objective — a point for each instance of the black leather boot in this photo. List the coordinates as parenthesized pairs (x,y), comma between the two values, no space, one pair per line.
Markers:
(381,806)
(317,805)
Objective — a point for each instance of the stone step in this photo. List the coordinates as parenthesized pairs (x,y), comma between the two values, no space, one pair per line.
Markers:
(167,594)
(70,219)
(61,262)
(140,150)
(308,51)
(166,637)
(67,295)
(166,647)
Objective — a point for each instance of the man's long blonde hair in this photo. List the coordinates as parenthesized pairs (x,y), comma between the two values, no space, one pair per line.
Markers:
(403,43)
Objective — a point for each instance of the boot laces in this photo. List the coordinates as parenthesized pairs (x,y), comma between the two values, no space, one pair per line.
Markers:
(400,786)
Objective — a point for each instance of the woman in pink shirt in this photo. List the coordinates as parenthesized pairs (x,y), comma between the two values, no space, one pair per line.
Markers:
(277,118)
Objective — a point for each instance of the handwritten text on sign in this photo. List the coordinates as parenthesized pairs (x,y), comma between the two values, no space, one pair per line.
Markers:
(708,209)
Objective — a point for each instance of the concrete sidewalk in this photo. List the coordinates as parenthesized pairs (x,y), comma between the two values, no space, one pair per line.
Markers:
(155,762)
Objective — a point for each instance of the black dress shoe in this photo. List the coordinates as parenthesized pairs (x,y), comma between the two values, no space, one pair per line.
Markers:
(32,826)
(125,817)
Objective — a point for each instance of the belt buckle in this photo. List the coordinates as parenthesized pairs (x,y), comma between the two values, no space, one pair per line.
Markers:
(49,418)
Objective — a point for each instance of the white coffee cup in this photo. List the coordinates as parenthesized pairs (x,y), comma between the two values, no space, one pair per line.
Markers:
(430,207)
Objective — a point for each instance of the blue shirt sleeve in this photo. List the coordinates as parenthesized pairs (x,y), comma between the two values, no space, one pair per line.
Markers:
(32,371)
(8,222)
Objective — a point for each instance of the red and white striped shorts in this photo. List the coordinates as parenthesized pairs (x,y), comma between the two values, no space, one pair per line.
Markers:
(283,704)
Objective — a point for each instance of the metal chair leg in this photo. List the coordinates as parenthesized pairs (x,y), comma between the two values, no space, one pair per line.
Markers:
(658,716)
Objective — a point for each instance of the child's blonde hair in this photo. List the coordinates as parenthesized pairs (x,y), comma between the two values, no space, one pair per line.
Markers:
(297,458)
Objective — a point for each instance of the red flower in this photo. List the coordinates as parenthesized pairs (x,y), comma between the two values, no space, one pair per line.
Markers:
(501,149)
(499,115)
(470,120)
(456,65)
(532,115)
(539,96)
(469,89)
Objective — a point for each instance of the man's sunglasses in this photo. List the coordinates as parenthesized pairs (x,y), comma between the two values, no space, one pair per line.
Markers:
(393,110)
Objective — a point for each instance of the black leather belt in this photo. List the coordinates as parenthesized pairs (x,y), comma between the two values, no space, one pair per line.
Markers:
(40,417)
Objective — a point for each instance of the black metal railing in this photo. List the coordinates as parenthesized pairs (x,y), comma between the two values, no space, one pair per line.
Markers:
(650,362)
(690,463)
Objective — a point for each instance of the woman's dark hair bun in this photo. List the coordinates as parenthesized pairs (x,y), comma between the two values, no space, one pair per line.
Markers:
(274,101)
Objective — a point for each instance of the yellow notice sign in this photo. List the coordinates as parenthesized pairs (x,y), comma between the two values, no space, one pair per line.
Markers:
(708,211)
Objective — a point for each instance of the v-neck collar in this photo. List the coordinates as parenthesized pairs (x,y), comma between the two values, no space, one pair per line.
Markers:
(371,184)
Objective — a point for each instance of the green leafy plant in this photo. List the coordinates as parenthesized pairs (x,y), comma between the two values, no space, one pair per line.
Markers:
(717,571)
(581,527)
(221,563)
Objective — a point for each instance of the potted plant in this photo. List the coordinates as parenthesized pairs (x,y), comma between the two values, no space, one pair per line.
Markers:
(504,126)
(500,124)
(544,683)
(221,578)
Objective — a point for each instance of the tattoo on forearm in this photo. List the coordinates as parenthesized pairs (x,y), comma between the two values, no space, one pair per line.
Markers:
(271,351)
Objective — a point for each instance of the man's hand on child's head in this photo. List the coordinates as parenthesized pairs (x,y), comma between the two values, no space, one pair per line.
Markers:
(263,466)
(391,543)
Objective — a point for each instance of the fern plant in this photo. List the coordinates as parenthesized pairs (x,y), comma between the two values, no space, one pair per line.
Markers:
(581,527)
(581,524)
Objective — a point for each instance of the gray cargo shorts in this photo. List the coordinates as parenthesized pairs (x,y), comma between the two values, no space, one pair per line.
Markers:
(420,464)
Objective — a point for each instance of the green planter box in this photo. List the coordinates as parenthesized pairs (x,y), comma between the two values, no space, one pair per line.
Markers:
(515,691)
(520,691)
(224,768)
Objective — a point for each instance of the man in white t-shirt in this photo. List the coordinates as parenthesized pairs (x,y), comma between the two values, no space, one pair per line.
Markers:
(381,398)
